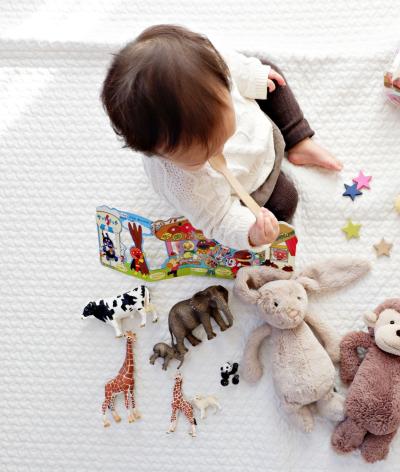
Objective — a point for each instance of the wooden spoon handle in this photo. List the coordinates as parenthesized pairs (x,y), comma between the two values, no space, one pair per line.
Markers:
(219,164)
(249,201)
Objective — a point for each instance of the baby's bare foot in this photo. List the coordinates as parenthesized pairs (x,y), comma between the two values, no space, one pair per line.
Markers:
(307,152)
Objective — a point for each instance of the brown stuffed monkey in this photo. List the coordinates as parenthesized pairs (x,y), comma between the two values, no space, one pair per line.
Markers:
(372,405)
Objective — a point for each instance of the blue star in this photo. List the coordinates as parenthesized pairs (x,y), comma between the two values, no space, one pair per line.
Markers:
(351,191)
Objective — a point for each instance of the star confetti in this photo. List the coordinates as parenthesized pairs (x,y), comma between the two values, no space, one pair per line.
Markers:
(362,180)
(351,191)
(383,248)
(352,230)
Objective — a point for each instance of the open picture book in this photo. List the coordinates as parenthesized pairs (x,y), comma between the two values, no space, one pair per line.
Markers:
(162,249)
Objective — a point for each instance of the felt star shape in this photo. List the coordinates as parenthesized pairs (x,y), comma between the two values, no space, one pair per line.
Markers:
(383,248)
(362,180)
(351,191)
(352,230)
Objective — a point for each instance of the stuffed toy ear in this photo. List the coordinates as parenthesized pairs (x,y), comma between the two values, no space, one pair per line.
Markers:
(250,279)
(370,319)
(333,274)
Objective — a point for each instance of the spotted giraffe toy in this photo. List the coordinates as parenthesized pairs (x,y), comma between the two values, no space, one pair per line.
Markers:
(180,404)
(123,382)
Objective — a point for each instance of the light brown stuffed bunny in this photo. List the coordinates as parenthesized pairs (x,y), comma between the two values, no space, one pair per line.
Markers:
(303,370)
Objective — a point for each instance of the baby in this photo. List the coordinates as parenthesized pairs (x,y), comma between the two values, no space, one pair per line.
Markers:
(171,95)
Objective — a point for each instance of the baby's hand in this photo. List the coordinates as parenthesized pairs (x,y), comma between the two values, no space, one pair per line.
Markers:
(265,230)
(273,75)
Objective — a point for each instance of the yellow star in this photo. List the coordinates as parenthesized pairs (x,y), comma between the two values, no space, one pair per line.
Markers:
(352,230)
(383,248)
(397,203)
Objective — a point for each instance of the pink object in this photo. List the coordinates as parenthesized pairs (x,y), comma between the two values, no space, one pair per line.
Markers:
(391,80)
(362,180)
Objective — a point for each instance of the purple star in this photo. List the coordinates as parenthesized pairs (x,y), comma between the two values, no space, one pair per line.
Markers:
(351,191)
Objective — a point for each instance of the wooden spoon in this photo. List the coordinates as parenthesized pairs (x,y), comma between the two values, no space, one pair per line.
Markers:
(218,163)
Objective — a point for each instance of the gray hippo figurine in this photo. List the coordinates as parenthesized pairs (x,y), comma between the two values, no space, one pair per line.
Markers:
(167,353)
(186,315)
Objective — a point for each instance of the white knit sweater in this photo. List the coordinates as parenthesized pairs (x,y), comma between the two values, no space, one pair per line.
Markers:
(203,196)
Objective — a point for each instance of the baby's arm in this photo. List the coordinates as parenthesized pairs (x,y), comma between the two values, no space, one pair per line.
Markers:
(222,218)
(252,77)
(206,200)
(249,73)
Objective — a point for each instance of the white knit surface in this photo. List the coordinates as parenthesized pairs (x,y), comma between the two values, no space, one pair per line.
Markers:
(59,159)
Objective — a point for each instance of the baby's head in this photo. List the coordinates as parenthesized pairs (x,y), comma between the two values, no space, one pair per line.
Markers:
(167,93)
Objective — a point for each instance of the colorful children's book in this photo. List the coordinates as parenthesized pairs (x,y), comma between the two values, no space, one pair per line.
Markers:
(163,249)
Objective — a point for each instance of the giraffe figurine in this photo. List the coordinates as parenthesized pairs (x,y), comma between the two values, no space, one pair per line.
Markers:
(123,382)
(180,404)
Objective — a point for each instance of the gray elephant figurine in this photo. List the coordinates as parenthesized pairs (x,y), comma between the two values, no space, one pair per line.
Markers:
(186,315)
(167,353)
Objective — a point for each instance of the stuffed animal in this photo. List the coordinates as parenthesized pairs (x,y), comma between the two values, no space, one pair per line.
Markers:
(113,310)
(202,403)
(373,399)
(303,369)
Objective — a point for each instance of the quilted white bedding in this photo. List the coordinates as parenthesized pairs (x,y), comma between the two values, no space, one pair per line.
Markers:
(59,159)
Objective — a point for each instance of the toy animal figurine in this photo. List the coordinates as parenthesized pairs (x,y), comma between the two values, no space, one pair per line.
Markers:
(202,403)
(180,404)
(114,310)
(167,353)
(303,370)
(373,399)
(122,383)
(227,370)
(186,315)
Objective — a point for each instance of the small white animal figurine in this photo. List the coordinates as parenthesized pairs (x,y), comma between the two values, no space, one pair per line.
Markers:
(114,310)
(202,403)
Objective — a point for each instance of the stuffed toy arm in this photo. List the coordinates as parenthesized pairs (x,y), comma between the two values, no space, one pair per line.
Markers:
(251,365)
(349,359)
(330,340)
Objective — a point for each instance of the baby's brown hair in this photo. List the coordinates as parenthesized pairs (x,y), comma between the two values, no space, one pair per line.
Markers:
(163,90)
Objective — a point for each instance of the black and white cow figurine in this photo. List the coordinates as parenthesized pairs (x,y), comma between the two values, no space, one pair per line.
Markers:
(114,310)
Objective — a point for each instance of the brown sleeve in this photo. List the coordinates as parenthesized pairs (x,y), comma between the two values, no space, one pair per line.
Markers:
(349,359)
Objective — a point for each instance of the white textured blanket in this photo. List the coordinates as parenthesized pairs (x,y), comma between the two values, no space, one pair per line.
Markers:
(59,159)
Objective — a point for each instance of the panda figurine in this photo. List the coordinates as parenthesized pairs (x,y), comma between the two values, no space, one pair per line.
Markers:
(227,370)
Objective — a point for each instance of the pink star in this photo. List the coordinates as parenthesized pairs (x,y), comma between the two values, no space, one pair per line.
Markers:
(362,180)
